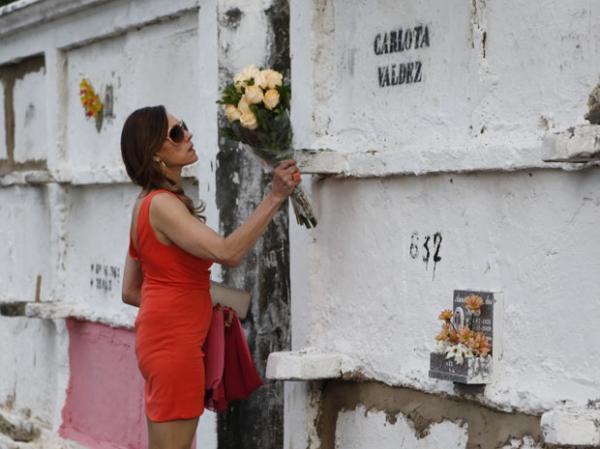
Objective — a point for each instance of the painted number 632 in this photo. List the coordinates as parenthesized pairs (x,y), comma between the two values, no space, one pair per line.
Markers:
(428,247)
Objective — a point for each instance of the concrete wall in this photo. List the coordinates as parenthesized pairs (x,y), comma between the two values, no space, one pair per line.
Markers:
(65,206)
(438,143)
(457,155)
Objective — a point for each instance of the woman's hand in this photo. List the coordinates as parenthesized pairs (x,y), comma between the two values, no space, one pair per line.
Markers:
(286,177)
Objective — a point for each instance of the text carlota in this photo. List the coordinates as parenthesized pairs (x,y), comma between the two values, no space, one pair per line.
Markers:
(396,41)
(401,40)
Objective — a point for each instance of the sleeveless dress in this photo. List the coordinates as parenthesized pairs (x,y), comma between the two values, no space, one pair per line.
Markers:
(172,323)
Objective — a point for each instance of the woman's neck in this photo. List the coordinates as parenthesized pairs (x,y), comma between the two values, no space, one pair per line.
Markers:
(174,174)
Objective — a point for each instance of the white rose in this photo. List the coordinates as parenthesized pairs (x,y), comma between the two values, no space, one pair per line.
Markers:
(241,79)
(244,105)
(248,121)
(272,79)
(232,113)
(271,99)
(260,80)
(253,94)
(248,72)
(238,84)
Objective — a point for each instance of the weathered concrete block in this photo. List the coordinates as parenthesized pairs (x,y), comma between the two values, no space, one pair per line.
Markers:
(583,140)
(305,365)
(572,426)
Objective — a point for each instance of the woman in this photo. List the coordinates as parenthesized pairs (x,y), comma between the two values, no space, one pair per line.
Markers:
(167,269)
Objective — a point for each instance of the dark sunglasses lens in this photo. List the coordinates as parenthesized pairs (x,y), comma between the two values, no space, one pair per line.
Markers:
(177,133)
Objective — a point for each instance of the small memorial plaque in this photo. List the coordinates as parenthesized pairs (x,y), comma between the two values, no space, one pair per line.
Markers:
(482,323)
(473,369)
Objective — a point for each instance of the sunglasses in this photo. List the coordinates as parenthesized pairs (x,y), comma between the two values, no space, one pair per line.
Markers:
(176,134)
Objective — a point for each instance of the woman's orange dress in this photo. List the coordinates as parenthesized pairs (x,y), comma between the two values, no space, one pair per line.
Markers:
(172,323)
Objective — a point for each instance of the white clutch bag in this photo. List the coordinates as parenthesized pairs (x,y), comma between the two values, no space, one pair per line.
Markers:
(237,299)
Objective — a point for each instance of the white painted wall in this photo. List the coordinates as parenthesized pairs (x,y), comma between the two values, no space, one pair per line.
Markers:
(527,80)
(364,429)
(94,260)
(30,117)
(356,289)
(530,234)
(34,369)
(151,53)
(25,249)
(147,67)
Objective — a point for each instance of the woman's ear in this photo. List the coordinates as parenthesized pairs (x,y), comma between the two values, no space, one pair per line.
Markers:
(157,157)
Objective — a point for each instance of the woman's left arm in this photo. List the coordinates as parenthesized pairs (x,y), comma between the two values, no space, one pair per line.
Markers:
(132,282)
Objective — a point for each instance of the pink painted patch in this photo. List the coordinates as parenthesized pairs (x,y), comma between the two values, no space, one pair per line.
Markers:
(105,404)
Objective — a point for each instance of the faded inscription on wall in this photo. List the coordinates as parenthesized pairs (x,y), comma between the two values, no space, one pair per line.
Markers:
(104,277)
(396,41)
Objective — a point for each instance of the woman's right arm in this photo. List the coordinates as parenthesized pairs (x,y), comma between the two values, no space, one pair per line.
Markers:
(172,218)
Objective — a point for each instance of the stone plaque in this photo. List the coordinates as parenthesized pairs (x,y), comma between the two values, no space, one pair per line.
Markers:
(482,323)
(474,370)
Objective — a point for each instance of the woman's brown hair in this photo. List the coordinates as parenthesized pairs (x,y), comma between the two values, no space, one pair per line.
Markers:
(142,136)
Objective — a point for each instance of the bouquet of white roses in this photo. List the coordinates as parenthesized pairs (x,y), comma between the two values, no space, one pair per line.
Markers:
(257,105)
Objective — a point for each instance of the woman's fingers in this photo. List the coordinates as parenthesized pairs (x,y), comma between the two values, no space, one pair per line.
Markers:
(286,177)
(287,163)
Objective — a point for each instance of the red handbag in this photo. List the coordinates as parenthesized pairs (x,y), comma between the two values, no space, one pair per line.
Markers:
(229,369)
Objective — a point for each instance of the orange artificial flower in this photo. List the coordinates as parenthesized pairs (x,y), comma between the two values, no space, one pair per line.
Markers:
(480,344)
(474,303)
(464,335)
(444,334)
(453,336)
(445,315)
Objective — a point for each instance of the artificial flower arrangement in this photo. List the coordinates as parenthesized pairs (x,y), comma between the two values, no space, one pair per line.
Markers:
(257,105)
(460,342)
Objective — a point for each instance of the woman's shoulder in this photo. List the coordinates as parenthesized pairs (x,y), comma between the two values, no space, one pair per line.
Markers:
(163,200)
